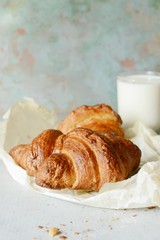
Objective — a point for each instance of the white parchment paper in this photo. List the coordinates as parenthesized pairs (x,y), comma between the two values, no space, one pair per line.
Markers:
(27,119)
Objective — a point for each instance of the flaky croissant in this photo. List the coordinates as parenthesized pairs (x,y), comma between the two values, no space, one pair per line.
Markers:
(80,159)
(101,118)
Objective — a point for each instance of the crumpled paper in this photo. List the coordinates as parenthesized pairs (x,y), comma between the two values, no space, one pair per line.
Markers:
(26,119)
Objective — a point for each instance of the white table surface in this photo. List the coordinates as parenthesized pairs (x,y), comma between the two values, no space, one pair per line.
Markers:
(28,215)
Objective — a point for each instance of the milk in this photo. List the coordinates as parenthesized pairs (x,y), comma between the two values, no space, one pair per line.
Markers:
(138,98)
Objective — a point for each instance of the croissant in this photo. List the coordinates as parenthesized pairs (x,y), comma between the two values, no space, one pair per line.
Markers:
(81,158)
(100,117)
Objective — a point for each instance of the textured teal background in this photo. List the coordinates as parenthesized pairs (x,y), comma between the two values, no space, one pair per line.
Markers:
(66,53)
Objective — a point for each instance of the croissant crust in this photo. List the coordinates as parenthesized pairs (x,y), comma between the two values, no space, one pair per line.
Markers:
(87,150)
(100,117)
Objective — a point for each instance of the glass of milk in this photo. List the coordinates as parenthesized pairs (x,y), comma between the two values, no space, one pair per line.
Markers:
(138,98)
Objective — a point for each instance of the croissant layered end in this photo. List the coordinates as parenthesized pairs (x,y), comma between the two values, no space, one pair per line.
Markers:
(55,172)
(20,154)
(30,156)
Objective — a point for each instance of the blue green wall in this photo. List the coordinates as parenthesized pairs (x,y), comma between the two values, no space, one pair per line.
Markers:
(69,52)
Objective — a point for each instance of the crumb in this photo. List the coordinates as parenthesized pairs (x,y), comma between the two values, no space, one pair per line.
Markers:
(86,221)
(110,227)
(62,224)
(54,231)
(35,238)
(40,226)
(63,237)
(135,215)
(71,222)
(88,230)
(76,233)
(151,207)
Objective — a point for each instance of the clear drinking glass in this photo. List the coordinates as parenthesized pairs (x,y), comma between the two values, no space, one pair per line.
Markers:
(138,98)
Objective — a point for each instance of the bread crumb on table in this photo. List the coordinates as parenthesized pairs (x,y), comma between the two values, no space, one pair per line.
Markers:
(40,226)
(54,231)
(151,207)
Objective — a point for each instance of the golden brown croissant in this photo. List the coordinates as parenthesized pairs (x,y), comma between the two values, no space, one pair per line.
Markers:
(100,117)
(81,159)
